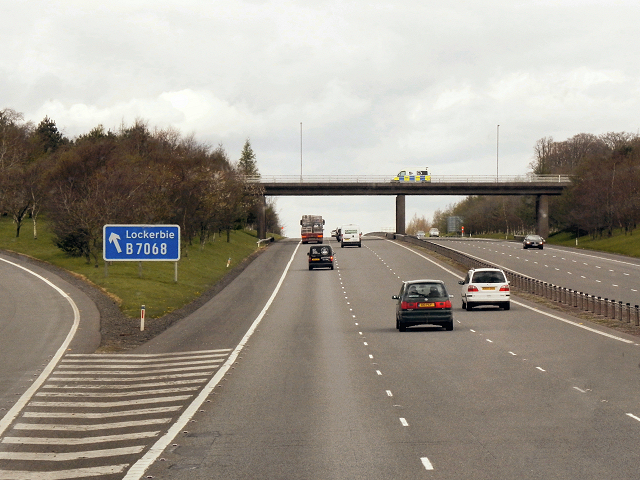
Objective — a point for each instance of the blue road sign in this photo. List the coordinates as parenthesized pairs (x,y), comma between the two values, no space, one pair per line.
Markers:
(141,243)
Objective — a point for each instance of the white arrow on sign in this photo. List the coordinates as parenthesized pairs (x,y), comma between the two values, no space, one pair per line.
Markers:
(113,238)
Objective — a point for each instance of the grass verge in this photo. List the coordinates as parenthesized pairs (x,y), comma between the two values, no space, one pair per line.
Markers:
(198,269)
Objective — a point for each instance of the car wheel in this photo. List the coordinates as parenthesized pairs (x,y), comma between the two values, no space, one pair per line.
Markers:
(342,245)
(310,267)
(359,245)
(397,324)
(540,247)
(331,267)
(469,306)
(507,306)
(464,304)
(448,326)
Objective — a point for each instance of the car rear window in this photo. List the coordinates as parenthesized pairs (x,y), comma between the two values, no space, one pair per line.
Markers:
(351,232)
(320,250)
(428,290)
(488,277)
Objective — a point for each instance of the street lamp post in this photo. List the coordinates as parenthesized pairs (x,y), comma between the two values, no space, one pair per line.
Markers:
(497,150)
(301,152)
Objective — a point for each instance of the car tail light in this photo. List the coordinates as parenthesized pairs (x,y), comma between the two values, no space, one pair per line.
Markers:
(472,288)
(407,305)
(331,257)
(446,304)
(504,288)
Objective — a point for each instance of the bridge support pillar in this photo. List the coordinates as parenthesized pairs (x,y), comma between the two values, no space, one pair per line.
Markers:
(262,217)
(542,215)
(400,215)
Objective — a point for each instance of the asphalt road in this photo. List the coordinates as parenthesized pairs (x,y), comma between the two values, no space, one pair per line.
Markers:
(298,374)
(326,388)
(601,274)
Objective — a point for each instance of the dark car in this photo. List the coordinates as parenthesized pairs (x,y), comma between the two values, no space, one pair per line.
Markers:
(320,256)
(533,241)
(423,302)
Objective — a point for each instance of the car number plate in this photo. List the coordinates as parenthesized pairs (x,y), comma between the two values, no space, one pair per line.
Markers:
(426,305)
(488,288)
(315,259)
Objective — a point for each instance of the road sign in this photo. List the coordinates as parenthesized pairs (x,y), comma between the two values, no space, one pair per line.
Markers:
(141,243)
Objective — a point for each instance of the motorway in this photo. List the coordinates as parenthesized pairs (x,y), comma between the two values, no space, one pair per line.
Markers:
(596,273)
(301,374)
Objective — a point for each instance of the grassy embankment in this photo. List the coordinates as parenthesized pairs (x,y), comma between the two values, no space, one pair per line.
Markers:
(198,269)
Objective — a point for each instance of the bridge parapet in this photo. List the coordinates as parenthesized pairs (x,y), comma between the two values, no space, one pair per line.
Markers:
(272,179)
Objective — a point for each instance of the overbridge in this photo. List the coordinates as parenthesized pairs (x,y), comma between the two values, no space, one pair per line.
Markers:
(540,186)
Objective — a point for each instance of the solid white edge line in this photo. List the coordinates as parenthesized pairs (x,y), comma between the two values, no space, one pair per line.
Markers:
(633,416)
(137,469)
(14,411)
(570,322)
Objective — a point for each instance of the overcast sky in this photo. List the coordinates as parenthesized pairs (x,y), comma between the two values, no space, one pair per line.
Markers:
(378,86)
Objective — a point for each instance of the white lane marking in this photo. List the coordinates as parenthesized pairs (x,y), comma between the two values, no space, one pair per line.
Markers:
(88,428)
(138,468)
(541,369)
(404,422)
(115,394)
(104,372)
(378,372)
(49,457)
(633,416)
(119,413)
(427,464)
(65,367)
(580,390)
(78,441)
(584,327)
(490,341)
(142,357)
(63,474)
(514,354)
(26,396)
(173,383)
(389,394)
(177,398)
(205,374)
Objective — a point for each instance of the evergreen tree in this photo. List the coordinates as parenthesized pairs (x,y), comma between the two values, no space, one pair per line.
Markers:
(247,164)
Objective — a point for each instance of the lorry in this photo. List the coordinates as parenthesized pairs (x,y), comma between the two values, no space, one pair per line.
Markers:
(311,228)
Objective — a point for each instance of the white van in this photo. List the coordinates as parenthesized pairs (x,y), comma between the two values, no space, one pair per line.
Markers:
(350,235)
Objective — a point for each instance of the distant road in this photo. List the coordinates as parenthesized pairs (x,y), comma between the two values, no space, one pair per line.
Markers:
(596,273)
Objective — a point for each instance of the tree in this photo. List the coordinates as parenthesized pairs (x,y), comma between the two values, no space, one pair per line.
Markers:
(247,164)
(47,136)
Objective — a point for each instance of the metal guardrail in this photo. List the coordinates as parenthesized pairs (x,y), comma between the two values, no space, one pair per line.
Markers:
(580,301)
(389,179)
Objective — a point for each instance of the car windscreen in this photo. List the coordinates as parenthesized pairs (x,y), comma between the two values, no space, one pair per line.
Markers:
(488,277)
(425,290)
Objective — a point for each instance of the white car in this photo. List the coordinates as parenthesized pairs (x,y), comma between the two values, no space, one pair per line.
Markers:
(485,286)
(434,232)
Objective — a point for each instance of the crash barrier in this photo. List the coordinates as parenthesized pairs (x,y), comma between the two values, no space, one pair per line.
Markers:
(581,301)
